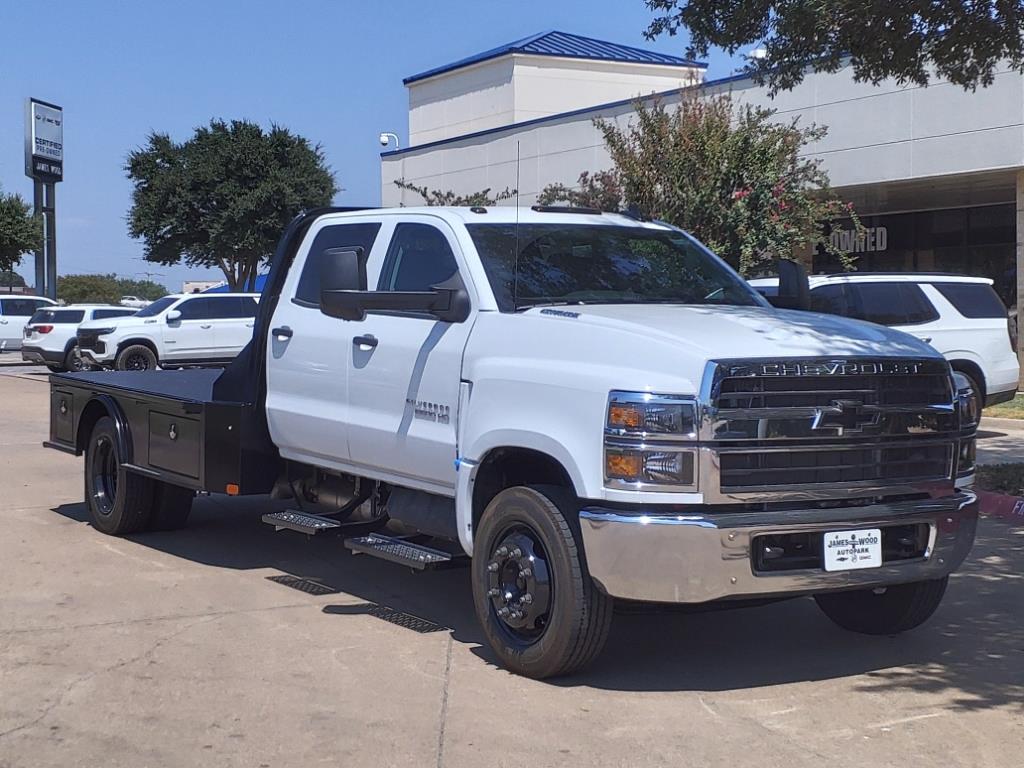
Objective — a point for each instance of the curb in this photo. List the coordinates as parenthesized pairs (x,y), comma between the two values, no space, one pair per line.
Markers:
(1001,506)
(994,422)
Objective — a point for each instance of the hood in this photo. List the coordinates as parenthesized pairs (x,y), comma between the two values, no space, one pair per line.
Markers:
(119,322)
(723,332)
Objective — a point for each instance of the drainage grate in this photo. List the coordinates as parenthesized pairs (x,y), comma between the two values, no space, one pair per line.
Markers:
(303,585)
(400,618)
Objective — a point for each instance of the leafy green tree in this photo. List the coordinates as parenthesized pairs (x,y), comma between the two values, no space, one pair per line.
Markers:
(736,179)
(222,198)
(20,231)
(105,289)
(963,42)
(11,279)
(435,197)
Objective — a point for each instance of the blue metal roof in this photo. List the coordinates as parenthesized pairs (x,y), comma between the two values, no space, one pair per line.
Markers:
(261,281)
(554,43)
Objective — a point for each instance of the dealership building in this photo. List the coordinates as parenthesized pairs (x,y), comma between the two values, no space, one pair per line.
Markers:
(935,173)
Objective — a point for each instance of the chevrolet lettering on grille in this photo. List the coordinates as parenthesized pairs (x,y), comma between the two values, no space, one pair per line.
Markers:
(827,368)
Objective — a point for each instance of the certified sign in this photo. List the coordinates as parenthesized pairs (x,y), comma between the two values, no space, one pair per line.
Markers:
(44,141)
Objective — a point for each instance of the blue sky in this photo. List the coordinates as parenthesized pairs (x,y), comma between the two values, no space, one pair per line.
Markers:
(330,70)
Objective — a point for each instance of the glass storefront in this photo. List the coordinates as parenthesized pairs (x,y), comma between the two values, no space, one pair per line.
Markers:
(969,241)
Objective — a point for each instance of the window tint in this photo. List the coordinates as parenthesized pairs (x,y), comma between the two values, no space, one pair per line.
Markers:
(156,307)
(342,236)
(100,314)
(418,258)
(208,308)
(67,315)
(830,299)
(972,299)
(20,307)
(889,303)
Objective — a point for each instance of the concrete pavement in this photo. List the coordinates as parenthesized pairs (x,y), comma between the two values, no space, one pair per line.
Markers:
(228,644)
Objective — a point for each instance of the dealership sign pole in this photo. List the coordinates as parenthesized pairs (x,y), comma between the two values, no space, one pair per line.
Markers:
(44,164)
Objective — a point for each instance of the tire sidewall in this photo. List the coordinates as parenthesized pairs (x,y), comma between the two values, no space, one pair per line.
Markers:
(526,506)
(123,355)
(122,518)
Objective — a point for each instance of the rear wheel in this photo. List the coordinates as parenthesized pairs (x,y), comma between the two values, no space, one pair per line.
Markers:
(884,611)
(171,507)
(73,361)
(137,357)
(540,610)
(55,368)
(119,501)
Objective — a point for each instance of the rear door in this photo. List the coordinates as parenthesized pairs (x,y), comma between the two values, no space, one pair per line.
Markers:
(897,304)
(192,337)
(235,332)
(308,352)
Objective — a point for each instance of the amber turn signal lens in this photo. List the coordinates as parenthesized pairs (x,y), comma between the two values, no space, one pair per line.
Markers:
(623,466)
(231,489)
(624,416)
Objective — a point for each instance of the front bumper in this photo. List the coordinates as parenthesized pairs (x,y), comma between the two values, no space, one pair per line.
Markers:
(695,558)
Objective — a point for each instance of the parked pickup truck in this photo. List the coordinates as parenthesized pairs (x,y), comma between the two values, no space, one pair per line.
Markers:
(588,406)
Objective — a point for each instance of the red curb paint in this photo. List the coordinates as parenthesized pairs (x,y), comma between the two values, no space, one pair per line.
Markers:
(1001,506)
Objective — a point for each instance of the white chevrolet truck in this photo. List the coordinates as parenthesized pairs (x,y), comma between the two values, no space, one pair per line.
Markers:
(585,406)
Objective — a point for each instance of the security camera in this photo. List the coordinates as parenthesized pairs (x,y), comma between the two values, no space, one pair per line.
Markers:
(384,140)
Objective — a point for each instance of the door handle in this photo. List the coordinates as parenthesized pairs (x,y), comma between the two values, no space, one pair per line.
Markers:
(206,326)
(369,340)
(282,332)
(925,339)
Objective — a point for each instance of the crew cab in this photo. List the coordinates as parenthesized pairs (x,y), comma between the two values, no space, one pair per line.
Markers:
(585,406)
(961,316)
(175,331)
(51,333)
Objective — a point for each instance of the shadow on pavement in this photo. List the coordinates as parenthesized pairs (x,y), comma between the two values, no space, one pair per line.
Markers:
(972,650)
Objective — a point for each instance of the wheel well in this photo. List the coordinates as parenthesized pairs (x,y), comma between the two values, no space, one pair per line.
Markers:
(972,370)
(506,467)
(143,341)
(94,411)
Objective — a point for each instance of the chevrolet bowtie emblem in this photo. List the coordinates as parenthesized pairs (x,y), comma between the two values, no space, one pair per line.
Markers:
(846,416)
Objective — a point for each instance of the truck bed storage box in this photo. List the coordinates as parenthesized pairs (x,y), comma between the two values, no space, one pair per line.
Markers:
(62,416)
(174,443)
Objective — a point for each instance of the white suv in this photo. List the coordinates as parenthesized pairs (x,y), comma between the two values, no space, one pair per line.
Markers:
(175,331)
(15,311)
(51,334)
(961,317)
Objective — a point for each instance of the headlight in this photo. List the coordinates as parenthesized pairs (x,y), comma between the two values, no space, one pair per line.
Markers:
(648,442)
(643,413)
(102,331)
(968,401)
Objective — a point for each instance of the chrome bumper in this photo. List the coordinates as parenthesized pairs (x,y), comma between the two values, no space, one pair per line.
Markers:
(694,558)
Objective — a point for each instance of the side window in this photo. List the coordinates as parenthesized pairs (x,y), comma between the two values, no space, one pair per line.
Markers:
(418,258)
(22,307)
(101,314)
(973,300)
(890,303)
(246,306)
(829,299)
(196,309)
(361,235)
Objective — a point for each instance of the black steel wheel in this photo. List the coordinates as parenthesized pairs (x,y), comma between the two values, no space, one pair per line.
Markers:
(73,361)
(137,357)
(119,501)
(540,610)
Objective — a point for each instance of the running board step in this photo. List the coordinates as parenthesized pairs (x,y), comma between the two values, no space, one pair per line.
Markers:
(301,522)
(398,551)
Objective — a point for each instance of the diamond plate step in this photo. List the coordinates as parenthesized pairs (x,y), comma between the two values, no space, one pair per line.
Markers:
(398,551)
(300,521)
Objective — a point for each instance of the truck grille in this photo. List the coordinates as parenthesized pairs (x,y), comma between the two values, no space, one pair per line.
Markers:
(91,341)
(811,424)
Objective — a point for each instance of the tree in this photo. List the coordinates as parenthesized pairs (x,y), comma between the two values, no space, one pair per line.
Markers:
(962,41)
(20,231)
(222,198)
(105,289)
(435,197)
(12,279)
(732,176)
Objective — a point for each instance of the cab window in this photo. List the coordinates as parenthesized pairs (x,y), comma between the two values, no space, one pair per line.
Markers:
(418,258)
(352,236)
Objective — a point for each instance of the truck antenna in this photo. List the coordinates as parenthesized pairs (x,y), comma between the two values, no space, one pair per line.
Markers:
(515,261)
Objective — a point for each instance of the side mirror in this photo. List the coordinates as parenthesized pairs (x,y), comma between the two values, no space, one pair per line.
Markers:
(342,270)
(794,289)
(447,301)
(173,316)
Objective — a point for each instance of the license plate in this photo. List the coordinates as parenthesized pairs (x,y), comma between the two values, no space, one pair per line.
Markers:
(851,550)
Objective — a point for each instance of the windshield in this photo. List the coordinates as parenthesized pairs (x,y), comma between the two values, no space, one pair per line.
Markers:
(156,307)
(598,264)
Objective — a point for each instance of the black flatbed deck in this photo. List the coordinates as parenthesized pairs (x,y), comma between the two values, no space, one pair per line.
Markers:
(194,385)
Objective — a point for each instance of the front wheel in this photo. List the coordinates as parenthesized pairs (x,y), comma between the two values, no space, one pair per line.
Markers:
(540,610)
(137,357)
(885,610)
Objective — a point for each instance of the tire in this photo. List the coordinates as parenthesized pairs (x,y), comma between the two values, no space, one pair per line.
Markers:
(565,625)
(137,357)
(55,368)
(888,611)
(119,501)
(979,390)
(73,361)
(171,507)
